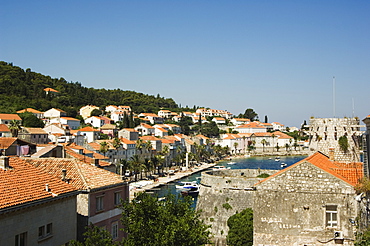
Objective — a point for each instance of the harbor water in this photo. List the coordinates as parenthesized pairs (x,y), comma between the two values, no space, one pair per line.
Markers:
(234,163)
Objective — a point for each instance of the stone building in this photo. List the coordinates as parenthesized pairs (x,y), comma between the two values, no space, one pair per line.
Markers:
(222,194)
(309,203)
(35,208)
(324,134)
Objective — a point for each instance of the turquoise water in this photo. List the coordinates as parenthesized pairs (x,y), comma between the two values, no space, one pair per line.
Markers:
(240,163)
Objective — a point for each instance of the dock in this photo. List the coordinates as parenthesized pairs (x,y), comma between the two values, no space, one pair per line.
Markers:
(170,178)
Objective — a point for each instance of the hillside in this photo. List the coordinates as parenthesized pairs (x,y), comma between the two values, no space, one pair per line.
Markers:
(21,89)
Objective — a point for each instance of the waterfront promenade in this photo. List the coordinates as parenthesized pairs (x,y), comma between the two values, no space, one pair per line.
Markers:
(141,186)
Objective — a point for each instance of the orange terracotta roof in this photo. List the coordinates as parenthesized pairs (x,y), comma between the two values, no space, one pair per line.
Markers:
(350,173)
(85,158)
(4,128)
(130,129)
(201,136)
(5,142)
(149,138)
(51,90)
(262,134)
(146,126)
(167,141)
(81,175)
(35,130)
(161,129)
(10,117)
(87,129)
(126,141)
(23,183)
(69,118)
(31,110)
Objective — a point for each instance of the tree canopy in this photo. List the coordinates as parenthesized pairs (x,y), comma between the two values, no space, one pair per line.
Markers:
(148,221)
(249,114)
(240,228)
(21,89)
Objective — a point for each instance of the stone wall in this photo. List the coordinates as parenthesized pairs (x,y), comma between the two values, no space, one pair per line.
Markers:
(324,135)
(222,194)
(292,208)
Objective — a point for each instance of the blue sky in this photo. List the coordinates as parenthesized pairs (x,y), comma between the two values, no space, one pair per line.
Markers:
(277,57)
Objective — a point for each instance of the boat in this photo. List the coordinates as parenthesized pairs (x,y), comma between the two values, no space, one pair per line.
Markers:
(277,158)
(231,163)
(247,155)
(187,185)
(190,192)
(220,168)
(283,164)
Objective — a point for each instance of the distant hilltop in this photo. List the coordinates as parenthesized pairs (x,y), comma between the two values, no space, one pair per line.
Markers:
(21,89)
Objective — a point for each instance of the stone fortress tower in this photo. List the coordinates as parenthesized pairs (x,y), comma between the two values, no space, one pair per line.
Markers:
(324,134)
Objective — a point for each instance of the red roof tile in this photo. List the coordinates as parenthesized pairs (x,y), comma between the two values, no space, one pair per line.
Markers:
(23,183)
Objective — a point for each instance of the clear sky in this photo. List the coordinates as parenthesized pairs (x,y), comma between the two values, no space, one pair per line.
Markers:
(277,57)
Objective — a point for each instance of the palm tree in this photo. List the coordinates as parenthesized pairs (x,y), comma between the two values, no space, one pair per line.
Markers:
(104,147)
(273,140)
(149,147)
(124,165)
(14,127)
(235,146)
(263,142)
(140,145)
(165,152)
(244,138)
(148,166)
(137,165)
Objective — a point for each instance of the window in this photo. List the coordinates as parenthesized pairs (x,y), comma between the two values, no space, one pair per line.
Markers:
(117,198)
(99,203)
(45,231)
(331,216)
(115,230)
(21,239)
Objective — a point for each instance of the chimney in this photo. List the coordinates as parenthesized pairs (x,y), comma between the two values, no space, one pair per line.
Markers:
(4,162)
(64,174)
(331,154)
(96,162)
(47,187)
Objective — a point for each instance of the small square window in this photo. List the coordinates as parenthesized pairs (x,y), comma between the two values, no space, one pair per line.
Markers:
(117,198)
(331,216)
(99,203)
(41,231)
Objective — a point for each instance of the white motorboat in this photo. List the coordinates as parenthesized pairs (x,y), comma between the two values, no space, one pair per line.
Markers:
(231,163)
(220,168)
(187,185)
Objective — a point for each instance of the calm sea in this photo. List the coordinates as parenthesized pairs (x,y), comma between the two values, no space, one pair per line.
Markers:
(239,163)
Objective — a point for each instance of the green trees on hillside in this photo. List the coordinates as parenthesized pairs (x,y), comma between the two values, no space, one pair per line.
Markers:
(21,89)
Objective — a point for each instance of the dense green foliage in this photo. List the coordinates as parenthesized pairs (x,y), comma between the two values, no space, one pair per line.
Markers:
(249,114)
(94,236)
(363,239)
(343,143)
(30,120)
(240,228)
(159,223)
(21,89)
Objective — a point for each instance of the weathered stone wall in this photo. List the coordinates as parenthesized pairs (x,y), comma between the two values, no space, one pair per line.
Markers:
(324,135)
(291,208)
(222,194)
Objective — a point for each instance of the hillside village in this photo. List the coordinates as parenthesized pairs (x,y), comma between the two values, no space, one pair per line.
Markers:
(86,166)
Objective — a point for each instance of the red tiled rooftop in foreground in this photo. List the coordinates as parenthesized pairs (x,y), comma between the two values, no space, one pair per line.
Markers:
(23,183)
(350,173)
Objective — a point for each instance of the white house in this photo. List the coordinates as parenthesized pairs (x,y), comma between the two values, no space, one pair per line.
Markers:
(7,118)
(153,118)
(4,131)
(277,126)
(95,121)
(145,129)
(85,111)
(240,121)
(165,113)
(130,147)
(174,128)
(54,113)
(235,142)
(89,133)
(71,122)
(219,120)
(160,132)
(35,112)
(251,128)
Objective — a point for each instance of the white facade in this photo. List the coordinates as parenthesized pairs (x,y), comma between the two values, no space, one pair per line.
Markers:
(95,121)
(54,113)
(71,122)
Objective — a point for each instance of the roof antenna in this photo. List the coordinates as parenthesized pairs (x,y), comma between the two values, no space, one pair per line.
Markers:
(353,108)
(334,96)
